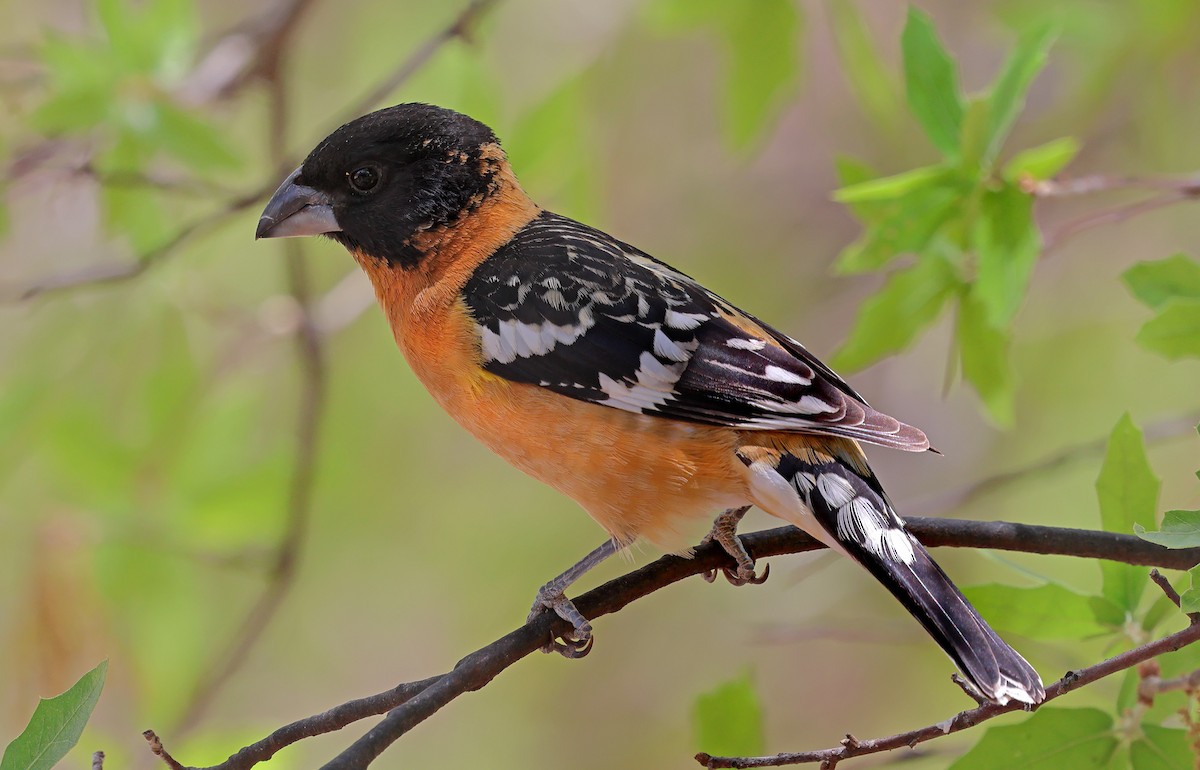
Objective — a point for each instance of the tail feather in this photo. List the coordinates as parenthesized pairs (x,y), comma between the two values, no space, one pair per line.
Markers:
(850,512)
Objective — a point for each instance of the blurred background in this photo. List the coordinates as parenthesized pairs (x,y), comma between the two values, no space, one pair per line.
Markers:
(217,472)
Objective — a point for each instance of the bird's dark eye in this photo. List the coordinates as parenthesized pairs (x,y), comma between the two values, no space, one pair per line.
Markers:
(364,179)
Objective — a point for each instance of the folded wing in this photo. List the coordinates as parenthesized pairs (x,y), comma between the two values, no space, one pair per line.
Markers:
(568,308)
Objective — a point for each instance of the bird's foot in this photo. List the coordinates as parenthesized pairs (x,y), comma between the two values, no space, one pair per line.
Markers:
(724,531)
(576,643)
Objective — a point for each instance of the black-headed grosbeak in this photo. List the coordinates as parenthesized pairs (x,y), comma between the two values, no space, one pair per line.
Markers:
(609,375)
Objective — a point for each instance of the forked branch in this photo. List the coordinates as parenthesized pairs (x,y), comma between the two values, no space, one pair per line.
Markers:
(409,704)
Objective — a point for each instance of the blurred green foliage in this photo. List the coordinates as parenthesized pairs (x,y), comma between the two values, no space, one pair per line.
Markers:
(147,430)
(728,719)
(118,89)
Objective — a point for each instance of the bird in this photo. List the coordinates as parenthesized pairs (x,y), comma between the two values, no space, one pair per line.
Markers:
(613,377)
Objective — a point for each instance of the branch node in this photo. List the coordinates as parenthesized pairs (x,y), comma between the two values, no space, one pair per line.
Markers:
(850,742)
(157,749)
(1162,582)
(970,689)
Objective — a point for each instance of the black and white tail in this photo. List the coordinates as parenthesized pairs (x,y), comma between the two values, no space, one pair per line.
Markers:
(851,513)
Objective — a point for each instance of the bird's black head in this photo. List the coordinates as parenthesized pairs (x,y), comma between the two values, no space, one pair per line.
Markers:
(378,181)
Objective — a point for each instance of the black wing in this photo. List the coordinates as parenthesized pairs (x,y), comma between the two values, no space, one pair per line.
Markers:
(571,309)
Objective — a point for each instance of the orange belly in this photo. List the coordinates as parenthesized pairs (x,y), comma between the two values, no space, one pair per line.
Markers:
(637,476)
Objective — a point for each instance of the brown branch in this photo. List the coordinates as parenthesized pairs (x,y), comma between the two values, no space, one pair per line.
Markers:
(1171,190)
(409,704)
(98,275)
(852,747)
(1072,680)
(279,579)
(1153,685)
(248,52)
(98,760)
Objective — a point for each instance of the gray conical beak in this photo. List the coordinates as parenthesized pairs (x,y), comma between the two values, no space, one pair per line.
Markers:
(295,210)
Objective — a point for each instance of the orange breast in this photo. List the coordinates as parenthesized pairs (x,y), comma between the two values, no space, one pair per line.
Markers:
(636,475)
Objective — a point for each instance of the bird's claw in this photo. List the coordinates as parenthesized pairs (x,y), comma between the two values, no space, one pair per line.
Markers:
(724,532)
(743,575)
(575,644)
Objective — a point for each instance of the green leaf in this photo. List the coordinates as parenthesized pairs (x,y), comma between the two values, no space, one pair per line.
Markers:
(909,301)
(893,187)
(763,65)
(549,145)
(728,719)
(1043,161)
(1008,92)
(1189,600)
(905,225)
(983,350)
(1162,748)
(1160,610)
(137,214)
(82,80)
(1128,492)
(153,38)
(56,725)
(1007,243)
(974,137)
(1180,529)
(1048,611)
(71,111)
(1155,283)
(932,84)
(762,57)
(193,141)
(1050,739)
(870,77)
(1175,333)
(850,172)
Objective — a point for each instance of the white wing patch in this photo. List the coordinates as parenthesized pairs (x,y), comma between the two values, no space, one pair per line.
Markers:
(779,374)
(653,385)
(751,344)
(521,340)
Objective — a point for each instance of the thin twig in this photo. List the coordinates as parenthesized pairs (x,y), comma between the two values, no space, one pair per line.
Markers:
(156,748)
(1064,187)
(1161,581)
(1114,215)
(98,760)
(412,703)
(828,758)
(326,722)
(1153,685)
(459,28)
(960,497)
(110,274)
(280,578)
(98,275)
